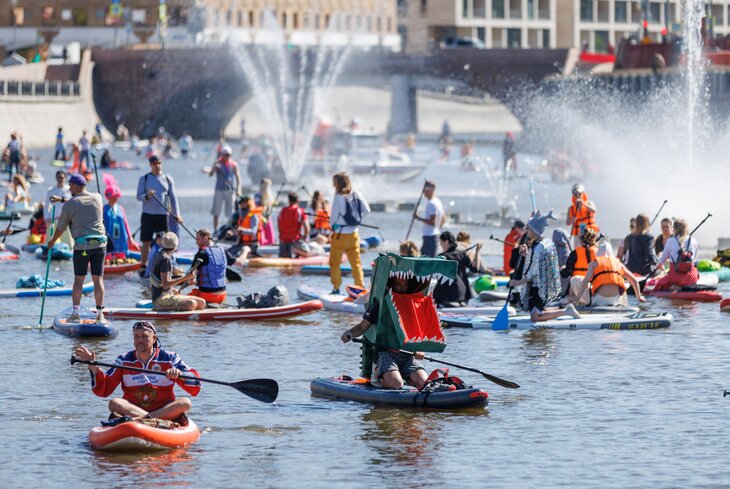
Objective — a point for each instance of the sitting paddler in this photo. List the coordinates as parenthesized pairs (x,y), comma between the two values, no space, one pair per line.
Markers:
(145,395)
(400,315)
(681,252)
(117,227)
(576,266)
(210,263)
(162,286)
(540,273)
(605,278)
(248,225)
(455,293)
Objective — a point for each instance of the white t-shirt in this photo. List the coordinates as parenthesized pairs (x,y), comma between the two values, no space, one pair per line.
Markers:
(58,192)
(433,207)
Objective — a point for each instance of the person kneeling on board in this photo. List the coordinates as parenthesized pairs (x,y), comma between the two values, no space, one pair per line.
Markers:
(162,286)
(606,276)
(210,264)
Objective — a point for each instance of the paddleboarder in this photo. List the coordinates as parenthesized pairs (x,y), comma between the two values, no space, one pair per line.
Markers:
(210,263)
(162,286)
(433,220)
(82,214)
(225,171)
(144,395)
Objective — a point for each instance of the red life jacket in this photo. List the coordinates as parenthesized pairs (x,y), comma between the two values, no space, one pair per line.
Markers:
(290,224)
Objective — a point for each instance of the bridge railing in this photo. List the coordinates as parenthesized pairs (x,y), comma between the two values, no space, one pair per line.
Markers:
(16,89)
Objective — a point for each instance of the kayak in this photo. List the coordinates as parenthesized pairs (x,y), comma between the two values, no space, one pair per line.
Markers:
(725,305)
(86,327)
(38,292)
(345,270)
(223,314)
(287,262)
(122,267)
(8,255)
(56,253)
(642,320)
(138,435)
(686,295)
(344,388)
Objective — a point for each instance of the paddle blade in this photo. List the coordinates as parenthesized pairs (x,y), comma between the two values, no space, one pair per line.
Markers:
(501,322)
(232,275)
(504,383)
(264,390)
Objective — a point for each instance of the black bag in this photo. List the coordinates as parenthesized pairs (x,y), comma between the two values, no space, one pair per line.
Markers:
(353,211)
(275,297)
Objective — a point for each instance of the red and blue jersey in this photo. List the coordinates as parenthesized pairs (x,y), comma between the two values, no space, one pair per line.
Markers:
(148,391)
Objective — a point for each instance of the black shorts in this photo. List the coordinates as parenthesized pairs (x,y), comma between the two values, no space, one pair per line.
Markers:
(151,224)
(94,257)
(534,300)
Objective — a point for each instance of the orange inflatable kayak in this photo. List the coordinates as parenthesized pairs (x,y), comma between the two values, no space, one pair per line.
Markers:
(139,436)
(725,305)
(122,267)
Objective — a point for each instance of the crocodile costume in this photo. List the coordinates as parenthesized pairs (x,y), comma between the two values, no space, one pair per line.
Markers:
(405,321)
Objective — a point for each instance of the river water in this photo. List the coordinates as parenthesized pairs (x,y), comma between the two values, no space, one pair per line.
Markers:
(596,408)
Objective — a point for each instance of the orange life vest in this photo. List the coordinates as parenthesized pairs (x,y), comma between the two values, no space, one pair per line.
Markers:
(584,216)
(245,222)
(584,256)
(322,221)
(608,271)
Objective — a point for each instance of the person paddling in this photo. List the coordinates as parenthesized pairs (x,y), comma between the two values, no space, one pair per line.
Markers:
(293,226)
(144,395)
(153,187)
(162,286)
(433,220)
(248,226)
(60,190)
(225,171)
(458,293)
(576,266)
(605,279)
(681,252)
(391,367)
(540,275)
(82,214)
(581,214)
(210,263)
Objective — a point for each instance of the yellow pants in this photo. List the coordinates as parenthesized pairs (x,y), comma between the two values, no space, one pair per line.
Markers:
(350,244)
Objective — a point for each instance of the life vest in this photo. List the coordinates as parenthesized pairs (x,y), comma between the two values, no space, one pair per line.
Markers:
(584,256)
(213,275)
(608,271)
(116,228)
(39,228)
(290,224)
(245,222)
(583,217)
(322,221)
(510,241)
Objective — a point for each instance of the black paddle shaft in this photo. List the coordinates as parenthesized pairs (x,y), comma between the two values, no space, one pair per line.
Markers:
(255,392)
(658,212)
(413,217)
(10,224)
(701,223)
(167,209)
(504,383)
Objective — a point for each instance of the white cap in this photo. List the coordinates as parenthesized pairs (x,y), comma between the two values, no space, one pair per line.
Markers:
(226,150)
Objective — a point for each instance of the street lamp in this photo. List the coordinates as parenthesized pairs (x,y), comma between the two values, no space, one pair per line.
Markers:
(15,26)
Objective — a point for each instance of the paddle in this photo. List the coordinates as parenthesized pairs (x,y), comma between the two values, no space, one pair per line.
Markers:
(501,321)
(491,236)
(725,393)
(96,174)
(532,196)
(413,217)
(7,229)
(504,383)
(264,390)
(231,275)
(690,235)
(658,212)
(48,265)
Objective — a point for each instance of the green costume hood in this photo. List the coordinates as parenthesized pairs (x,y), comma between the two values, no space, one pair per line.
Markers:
(409,320)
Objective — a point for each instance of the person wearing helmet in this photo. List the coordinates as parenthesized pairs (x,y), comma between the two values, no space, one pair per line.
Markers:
(581,214)
(225,171)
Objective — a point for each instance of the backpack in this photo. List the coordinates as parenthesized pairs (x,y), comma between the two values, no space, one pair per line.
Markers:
(353,211)
(684,258)
(440,381)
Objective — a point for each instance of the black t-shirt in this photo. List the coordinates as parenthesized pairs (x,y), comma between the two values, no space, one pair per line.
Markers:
(162,265)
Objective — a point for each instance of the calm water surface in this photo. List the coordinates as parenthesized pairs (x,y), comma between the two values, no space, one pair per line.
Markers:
(596,408)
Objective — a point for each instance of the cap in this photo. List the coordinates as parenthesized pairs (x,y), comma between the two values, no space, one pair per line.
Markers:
(77,179)
(169,241)
(226,150)
(204,232)
(146,325)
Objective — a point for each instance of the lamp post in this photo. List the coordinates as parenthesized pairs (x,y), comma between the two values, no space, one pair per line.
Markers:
(15,26)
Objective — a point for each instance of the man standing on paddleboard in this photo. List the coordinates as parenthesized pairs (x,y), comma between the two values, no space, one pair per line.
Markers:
(82,214)
(433,220)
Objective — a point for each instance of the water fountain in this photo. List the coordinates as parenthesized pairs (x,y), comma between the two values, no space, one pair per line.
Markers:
(286,86)
(640,150)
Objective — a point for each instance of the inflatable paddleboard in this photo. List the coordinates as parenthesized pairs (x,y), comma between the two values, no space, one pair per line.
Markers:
(141,436)
(288,262)
(38,292)
(86,327)
(222,314)
(340,303)
(640,320)
(345,270)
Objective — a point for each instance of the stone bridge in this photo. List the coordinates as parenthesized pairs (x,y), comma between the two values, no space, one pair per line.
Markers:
(200,89)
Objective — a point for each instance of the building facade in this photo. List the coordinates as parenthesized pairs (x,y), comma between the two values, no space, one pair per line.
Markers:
(113,23)
(595,25)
